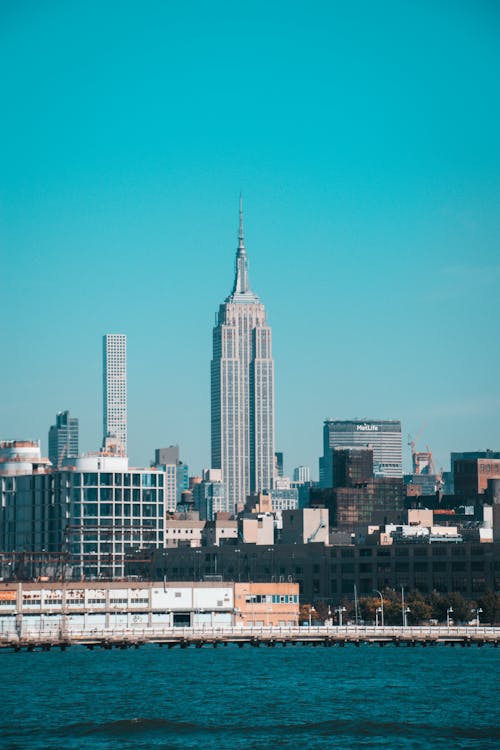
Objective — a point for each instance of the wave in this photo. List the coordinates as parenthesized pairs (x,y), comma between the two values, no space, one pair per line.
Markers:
(351,727)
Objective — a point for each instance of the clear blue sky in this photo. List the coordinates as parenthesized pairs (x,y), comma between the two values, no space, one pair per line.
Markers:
(365,139)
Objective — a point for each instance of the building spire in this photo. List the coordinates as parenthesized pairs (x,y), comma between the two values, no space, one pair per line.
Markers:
(241,283)
(241,243)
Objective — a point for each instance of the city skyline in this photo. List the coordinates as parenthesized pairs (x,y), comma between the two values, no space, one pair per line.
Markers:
(370,172)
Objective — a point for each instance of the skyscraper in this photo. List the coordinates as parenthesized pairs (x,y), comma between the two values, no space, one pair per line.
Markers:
(63,438)
(383,435)
(242,394)
(114,382)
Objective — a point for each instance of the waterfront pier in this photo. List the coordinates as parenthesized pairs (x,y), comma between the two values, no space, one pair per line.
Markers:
(315,636)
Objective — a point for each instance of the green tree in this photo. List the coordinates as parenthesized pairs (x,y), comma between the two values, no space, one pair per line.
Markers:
(489,602)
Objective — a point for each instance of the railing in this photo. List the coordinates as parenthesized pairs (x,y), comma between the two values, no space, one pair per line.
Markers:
(242,632)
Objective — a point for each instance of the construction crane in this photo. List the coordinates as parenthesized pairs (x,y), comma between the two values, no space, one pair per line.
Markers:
(423,461)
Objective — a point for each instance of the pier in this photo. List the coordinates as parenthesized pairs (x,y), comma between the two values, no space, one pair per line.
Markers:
(315,636)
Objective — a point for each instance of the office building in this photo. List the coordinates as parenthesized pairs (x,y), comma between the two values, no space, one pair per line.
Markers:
(209,495)
(383,435)
(242,389)
(63,438)
(92,512)
(114,378)
(301,474)
(278,464)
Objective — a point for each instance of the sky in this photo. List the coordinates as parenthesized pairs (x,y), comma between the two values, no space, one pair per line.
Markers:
(364,138)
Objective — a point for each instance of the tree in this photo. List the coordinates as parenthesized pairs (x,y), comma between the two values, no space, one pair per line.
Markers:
(420,609)
(489,602)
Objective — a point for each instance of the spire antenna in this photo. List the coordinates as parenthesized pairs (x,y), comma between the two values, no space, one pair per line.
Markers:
(241,243)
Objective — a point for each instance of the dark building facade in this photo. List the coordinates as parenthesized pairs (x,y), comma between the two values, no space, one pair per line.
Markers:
(330,573)
(352,466)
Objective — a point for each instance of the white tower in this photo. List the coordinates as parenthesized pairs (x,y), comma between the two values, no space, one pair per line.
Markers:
(114,381)
(242,389)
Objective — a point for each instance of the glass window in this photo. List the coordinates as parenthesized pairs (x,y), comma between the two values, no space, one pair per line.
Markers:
(137,510)
(90,480)
(136,496)
(136,480)
(126,479)
(90,509)
(106,479)
(118,479)
(106,493)
(106,509)
(90,494)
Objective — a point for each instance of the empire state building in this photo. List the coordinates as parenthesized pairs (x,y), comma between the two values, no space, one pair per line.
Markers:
(242,389)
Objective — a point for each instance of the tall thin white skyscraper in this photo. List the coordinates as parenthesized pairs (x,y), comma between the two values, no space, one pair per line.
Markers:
(242,389)
(114,381)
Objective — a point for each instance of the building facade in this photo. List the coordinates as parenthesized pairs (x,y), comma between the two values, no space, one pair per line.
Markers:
(383,435)
(242,389)
(63,438)
(114,381)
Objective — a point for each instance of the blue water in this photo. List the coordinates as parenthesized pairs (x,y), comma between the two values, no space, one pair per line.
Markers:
(293,697)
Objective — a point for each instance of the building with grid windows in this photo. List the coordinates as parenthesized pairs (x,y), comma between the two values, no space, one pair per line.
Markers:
(382,435)
(91,513)
(114,381)
(242,394)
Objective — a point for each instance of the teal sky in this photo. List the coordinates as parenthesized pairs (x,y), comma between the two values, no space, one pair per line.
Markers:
(365,139)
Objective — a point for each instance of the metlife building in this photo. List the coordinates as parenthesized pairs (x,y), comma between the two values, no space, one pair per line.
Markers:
(383,435)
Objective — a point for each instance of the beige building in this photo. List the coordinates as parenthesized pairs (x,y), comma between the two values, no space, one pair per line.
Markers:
(266,604)
(184,529)
(305,526)
(258,529)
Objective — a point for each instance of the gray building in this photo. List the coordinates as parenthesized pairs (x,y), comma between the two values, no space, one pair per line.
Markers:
(114,382)
(242,392)
(383,435)
(63,438)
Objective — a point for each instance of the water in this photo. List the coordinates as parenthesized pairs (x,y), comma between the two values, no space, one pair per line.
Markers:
(230,698)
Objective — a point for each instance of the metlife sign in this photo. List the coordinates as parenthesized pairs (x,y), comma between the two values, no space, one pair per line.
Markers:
(367,427)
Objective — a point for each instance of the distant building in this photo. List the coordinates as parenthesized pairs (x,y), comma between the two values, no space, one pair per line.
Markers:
(357,495)
(242,390)
(177,480)
(278,464)
(302,474)
(467,456)
(352,466)
(209,495)
(168,455)
(305,526)
(471,475)
(383,435)
(63,438)
(114,379)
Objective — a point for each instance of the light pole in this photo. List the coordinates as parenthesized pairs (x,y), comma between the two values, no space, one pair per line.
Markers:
(403,610)
(405,616)
(340,609)
(448,613)
(478,611)
(381,605)
(376,616)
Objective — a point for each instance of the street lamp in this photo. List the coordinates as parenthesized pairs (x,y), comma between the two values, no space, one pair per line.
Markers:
(448,613)
(376,591)
(406,611)
(376,616)
(478,611)
(341,609)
